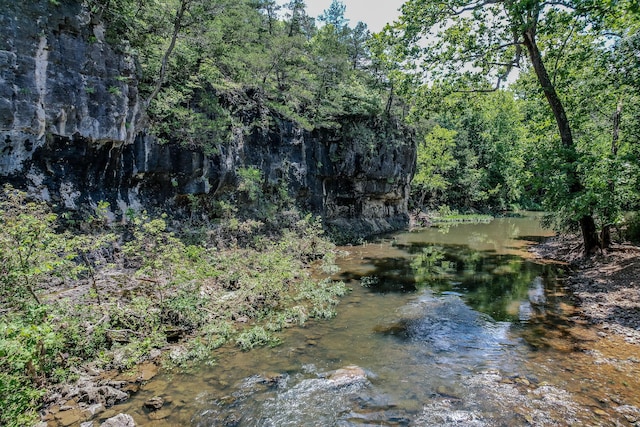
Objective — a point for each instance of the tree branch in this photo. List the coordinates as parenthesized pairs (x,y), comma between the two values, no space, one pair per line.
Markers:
(177,26)
(458,12)
(564,45)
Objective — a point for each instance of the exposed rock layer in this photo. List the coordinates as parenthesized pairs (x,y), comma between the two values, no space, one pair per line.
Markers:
(71,132)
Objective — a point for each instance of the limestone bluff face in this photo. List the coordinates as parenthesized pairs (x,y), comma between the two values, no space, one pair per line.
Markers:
(72,131)
(54,81)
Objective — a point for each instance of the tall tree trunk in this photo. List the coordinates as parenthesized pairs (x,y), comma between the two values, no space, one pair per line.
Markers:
(605,235)
(587,224)
(387,109)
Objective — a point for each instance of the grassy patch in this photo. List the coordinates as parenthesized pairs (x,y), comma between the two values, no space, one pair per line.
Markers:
(462,218)
(445,215)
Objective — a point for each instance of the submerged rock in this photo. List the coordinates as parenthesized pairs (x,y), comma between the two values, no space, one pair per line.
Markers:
(69,417)
(120,420)
(154,403)
(399,328)
(160,414)
(347,375)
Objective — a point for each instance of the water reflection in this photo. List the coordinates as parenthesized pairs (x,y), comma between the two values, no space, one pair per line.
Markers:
(494,284)
(449,327)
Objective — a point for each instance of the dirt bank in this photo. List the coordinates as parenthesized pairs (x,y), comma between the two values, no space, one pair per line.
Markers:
(606,287)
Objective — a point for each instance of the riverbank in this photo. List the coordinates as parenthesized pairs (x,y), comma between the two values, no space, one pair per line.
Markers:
(90,310)
(605,287)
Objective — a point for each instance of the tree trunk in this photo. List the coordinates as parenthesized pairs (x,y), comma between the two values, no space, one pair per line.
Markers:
(587,224)
(606,229)
(177,26)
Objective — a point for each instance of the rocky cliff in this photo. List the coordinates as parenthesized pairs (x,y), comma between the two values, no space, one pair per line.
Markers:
(72,132)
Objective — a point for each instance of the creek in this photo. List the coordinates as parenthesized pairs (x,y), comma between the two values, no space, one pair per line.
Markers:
(449,326)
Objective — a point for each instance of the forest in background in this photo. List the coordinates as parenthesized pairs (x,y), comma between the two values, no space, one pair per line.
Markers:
(465,77)
(527,104)
(207,69)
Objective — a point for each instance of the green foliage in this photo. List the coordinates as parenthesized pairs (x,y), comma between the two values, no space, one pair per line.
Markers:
(27,354)
(18,409)
(632,223)
(322,297)
(250,183)
(435,159)
(602,106)
(214,69)
(256,336)
(574,60)
(160,289)
(115,90)
(473,154)
(31,252)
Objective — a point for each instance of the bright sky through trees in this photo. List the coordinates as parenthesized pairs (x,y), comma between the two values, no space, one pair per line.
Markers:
(375,13)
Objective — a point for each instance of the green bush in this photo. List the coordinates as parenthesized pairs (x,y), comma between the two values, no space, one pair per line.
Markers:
(632,222)
(256,336)
(201,293)
(31,251)
(28,356)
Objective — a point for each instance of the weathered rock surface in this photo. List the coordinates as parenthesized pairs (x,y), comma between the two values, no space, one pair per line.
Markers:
(72,132)
(58,77)
(120,420)
(347,375)
(105,395)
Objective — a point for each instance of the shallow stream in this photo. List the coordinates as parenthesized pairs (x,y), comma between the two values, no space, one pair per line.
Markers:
(444,327)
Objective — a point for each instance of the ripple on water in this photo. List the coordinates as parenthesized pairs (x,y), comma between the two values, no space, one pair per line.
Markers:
(309,401)
(491,402)
(449,328)
(431,357)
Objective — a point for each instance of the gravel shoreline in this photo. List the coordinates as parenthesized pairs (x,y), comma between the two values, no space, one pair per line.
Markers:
(605,287)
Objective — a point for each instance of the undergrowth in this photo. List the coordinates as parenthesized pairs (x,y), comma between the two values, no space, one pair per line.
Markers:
(110,294)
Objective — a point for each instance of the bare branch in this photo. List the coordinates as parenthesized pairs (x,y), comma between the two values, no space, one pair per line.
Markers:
(485,53)
(177,27)
(505,64)
(491,90)
(488,90)
(478,5)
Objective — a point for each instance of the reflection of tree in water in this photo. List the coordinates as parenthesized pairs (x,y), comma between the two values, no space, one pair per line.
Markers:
(430,265)
(499,285)
(509,230)
(469,261)
(493,284)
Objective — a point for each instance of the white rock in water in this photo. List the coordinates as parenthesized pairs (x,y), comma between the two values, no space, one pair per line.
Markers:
(120,420)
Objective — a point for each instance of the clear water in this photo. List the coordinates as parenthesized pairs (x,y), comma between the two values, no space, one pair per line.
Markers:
(451,326)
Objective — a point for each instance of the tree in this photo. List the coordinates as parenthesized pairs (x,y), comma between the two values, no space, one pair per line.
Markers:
(435,158)
(334,15)
(486,151)
(30,249)
(477,43)
(357,47)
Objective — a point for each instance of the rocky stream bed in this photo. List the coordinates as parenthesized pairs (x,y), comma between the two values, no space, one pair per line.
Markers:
(605,333)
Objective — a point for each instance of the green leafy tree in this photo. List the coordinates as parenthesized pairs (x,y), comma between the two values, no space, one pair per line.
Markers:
(334,15)
(485,159)
(597,70)
(478,43)
(434,160)
(31,251)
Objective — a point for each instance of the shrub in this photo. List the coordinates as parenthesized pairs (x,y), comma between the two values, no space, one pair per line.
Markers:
(632,221)
(256,336)
(31,252)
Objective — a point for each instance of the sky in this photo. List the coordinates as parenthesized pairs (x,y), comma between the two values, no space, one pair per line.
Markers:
(375,13)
